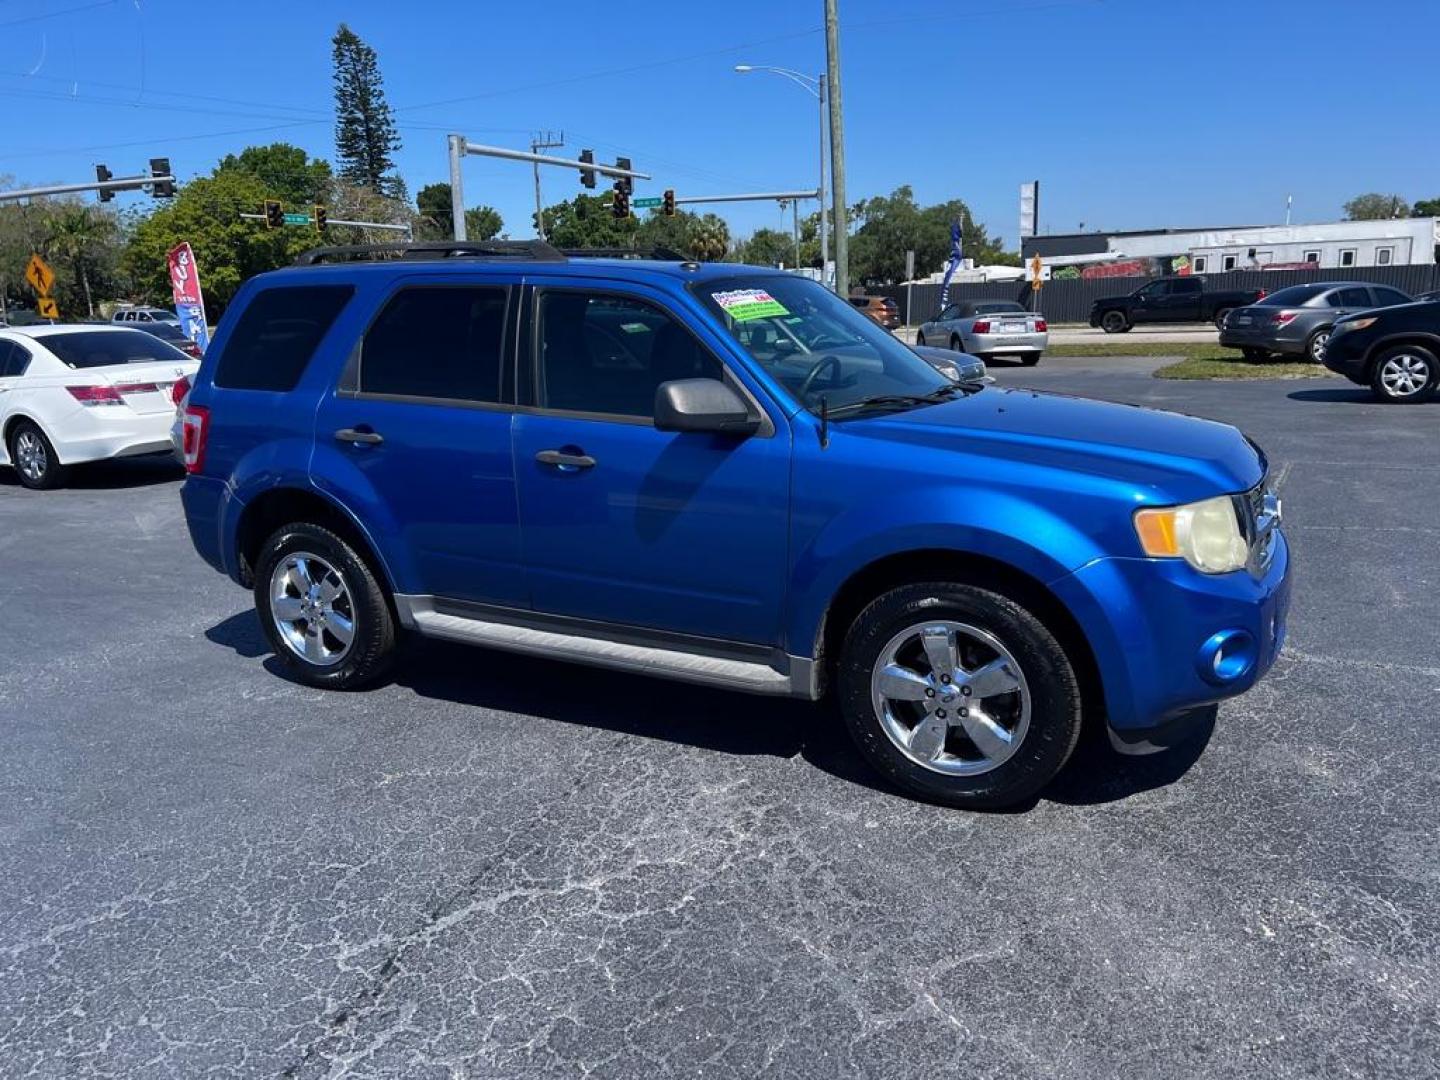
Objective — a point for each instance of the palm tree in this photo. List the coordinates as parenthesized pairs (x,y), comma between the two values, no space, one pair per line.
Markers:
(74,233)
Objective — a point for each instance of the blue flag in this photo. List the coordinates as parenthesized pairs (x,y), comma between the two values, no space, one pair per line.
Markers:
(952,265)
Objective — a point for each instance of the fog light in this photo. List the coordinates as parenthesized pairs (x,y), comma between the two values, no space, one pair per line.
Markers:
(1226,657)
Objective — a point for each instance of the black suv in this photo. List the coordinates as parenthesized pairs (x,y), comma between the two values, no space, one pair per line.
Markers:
(1395,351)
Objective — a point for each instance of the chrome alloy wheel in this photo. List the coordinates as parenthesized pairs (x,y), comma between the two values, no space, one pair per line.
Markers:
(951,698)
(1317,346)
(312,609)
(1405,374)
(30,456)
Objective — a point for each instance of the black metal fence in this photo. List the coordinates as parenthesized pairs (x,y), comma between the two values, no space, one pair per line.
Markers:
(1068,301)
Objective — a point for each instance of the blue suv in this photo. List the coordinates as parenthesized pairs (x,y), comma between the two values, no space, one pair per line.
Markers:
(725,475)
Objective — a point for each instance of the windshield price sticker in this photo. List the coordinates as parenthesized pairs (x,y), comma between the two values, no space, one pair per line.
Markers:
(745,305)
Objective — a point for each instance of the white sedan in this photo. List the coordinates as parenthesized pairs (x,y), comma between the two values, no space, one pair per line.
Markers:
(70,394)
(988,329)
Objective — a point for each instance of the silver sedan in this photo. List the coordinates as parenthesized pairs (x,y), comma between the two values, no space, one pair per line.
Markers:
(988,329)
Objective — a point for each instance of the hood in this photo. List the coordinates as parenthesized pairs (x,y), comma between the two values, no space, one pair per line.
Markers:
(1168,457)
(1111,299)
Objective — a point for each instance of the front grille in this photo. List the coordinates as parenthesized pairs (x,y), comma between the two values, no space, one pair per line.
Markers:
(1259,510)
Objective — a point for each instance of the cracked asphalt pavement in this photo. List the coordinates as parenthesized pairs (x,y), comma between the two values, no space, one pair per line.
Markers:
(501,867)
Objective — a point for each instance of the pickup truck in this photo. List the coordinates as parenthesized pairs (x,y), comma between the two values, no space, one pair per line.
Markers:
(1169,300)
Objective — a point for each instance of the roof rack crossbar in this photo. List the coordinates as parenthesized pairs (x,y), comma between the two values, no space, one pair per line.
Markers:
(658,252)
(537,250)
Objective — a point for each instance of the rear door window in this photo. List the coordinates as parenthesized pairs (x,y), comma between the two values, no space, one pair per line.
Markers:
(1354,298)
(276,336)
(437,342)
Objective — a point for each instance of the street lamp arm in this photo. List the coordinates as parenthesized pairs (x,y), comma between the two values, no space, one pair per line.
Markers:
(810,84)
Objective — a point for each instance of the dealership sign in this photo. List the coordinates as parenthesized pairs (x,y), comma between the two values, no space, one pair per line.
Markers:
(189,301)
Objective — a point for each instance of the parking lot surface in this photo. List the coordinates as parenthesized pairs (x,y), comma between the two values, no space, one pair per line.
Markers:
(501,867)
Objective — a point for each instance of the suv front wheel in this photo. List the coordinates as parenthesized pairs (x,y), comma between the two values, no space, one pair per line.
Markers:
(958,695)
(322,610)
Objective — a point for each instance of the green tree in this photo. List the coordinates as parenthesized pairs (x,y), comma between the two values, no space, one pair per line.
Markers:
(1373,206)
(365,132)
(1426,208)
(228,251)
(768,247)
(891,225)
(709,240)
(296,179)
(586,221)
(23,228)
(433,203)
(80,239)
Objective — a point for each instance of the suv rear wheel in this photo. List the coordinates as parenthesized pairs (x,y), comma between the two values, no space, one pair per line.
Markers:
(322,609)
(958,695)
(1404,374)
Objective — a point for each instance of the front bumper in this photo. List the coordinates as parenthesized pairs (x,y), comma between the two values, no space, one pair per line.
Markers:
(1346,354)
(1164,634)
(1003,344)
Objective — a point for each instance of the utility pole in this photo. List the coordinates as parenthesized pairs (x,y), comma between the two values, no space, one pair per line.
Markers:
(840,219)
(547,141)
(457,187)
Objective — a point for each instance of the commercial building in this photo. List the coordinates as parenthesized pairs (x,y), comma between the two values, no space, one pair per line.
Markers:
(1333,245)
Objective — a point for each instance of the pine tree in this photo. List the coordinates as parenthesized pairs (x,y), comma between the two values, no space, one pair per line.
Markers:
(365,134)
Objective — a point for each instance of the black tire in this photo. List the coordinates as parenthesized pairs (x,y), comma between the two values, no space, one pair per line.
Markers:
(1030,359)
(1254,354)
(43,470)
(1114,322)
(919,337)
(956,345)
(1055,706)
(1423,364)
(373,642)
(1220,317)
(1315,345)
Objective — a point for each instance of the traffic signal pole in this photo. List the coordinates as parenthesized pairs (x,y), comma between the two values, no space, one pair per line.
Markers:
(126,183)
(459,147)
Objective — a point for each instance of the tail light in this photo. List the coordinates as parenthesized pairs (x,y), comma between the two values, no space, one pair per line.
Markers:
(195,432)
(95,395)
(1280,318)
(1041,325)
(180,389)
(1262,295)
(980,326)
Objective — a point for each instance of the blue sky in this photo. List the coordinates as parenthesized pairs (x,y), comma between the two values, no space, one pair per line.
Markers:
(1132,113)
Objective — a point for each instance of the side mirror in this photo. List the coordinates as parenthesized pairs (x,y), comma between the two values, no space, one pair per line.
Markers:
(702,405)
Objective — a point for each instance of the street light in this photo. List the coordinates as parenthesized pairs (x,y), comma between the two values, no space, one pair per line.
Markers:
(814,85)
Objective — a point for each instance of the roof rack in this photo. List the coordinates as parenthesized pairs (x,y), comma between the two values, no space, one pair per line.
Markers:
(537,250)
(659,252)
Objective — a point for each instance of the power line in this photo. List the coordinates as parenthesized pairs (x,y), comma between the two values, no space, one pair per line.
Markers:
(57,14)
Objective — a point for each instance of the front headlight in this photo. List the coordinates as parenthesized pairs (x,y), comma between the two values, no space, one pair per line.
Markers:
(1205,534)
(1353,324)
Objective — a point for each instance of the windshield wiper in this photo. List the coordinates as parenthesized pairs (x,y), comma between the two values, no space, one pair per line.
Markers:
(898,401)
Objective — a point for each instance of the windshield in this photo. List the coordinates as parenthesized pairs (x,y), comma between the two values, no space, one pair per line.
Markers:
(105,348)
(1293,296)
(815,344)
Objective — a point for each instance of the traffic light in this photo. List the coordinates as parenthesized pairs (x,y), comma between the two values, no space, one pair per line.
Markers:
(620,204)
(321,218)
(102,174)
(162,189)
(274,214)
(587,176)
(629,182)
(667,202)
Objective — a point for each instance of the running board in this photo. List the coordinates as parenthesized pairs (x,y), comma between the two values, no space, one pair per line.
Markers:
(784,675)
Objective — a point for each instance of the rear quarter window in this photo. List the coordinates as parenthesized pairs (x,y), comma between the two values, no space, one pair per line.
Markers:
(277,334)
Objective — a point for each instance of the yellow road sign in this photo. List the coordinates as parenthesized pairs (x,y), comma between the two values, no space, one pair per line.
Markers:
(47,307)
(39,275)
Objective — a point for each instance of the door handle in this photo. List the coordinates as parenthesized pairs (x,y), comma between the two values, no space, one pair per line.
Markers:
(564,461)
(362,438)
